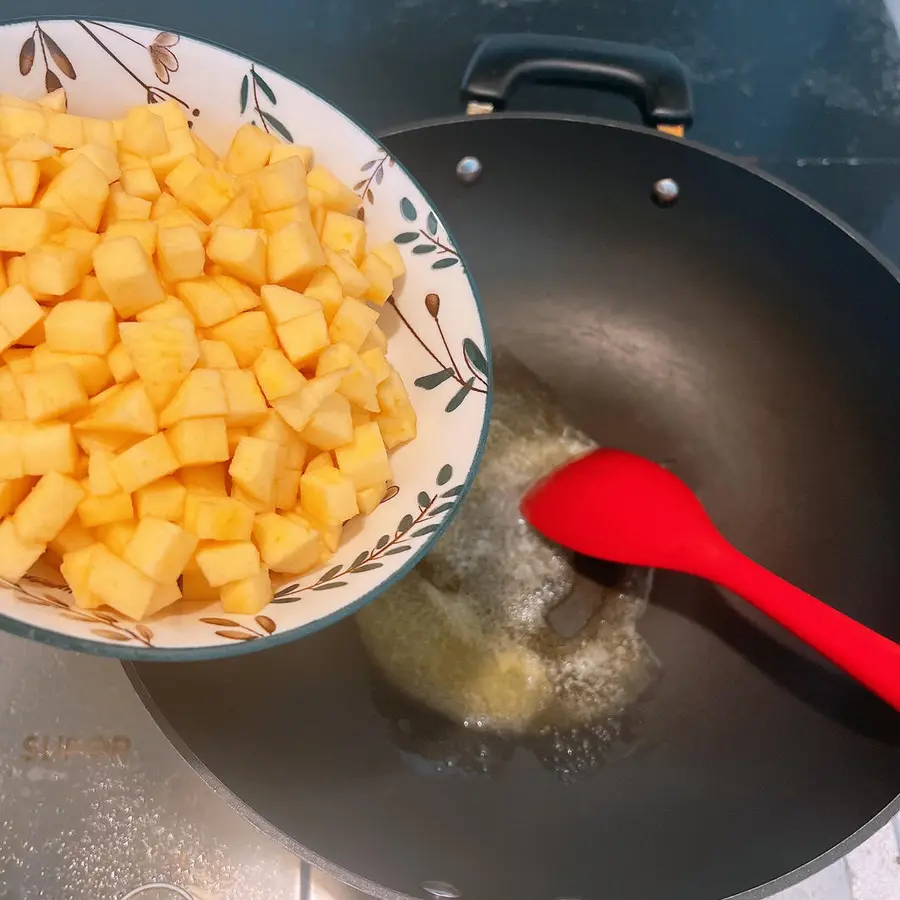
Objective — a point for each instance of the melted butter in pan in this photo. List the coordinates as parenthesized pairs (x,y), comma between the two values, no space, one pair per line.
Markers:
(469,634)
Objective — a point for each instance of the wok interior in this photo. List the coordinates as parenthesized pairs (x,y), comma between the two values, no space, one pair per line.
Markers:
(747,341)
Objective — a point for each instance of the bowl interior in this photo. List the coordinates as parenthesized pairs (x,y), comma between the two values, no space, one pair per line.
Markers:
(435,328)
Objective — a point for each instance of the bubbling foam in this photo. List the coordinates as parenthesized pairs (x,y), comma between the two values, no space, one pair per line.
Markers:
(467,632)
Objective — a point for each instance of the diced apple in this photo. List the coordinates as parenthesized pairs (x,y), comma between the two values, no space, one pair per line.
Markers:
(283,304)
(201,394)
(195,587)
(207,300)
(116,535)
(303,338)
(16,556)
(216,355)
(249,150)
(52,269)
(247,334)
(140,181)
(358,384)
(283,151)
(240,251)
(276,375)
(127,411)
(52,393)
(76,569)
(238,214)
(334,194)
(22,230)
(127,275)
(96,511)
(101,480)
(287,488)
(206,480)
(73,536)
(209,194)
(170,308)
(162,499)
(145,462)
(122,206)
(79,326)
(160,549)
(344,233)
(248,595)
(326,288)
(144,133)
(369,498)
(103,157)
(217,518)
(224,563)
(246,404)
(45,511)
(254,467)
(294,254)
(328,494)
(197,442)
(120,364)
(47,448)
(245,298)
(364,460)
(331,425)
(119,584)
(353,282)
(24,178)
(280,185)
(381,281)
(12,492)
(296,409)
(396,431)
(285,545)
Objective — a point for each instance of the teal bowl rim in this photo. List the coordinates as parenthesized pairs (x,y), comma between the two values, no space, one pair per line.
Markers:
(220,651)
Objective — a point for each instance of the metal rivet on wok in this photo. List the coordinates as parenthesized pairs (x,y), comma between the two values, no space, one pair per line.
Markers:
(665,191)
(441,890)
(468,169)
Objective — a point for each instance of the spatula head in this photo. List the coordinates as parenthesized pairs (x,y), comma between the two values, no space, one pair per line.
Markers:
(618,506)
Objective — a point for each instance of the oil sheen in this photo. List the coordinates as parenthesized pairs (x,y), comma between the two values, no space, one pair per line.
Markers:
(467,633)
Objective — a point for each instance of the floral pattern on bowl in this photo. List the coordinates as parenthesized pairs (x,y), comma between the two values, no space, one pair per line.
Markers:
(436,332)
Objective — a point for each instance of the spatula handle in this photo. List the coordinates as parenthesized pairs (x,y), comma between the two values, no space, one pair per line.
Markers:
(867,656)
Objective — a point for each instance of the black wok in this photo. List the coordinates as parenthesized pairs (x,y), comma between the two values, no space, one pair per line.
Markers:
(749,339)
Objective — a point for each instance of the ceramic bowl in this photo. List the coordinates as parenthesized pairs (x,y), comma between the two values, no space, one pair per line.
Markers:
(436,332)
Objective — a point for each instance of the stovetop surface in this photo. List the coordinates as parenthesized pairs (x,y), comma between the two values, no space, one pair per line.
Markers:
(94,802)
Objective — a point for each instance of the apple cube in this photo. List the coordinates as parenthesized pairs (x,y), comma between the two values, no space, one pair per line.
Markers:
(248,595)
(76,569)
(31,147)
(280,184)
(246,404)
(196,588)
(120,364)
(22,230)
(127,275)
(209,194)
(16,555)
(127,411)
(323,460)
(218,518)
(352,323)
(160,549)
(197,442)
(140,181)
(287,488)
(162,499)
(224,563)
(12,492)
(254,466)
(201,394)
(326,288)
(120,585)
(21,122)
(206,480)
(80,326)
(303,338)
(369,498)
(47,448)
(283,151)
(344,233)
(101,480)
(249,150)
(73,536)
(297,408)
(97,511)
(19,312)
(328,495)
(396,431)
(244,297)
(93,371)
(122,207)
(270,222)
(251,502)
(285,545)
(170,308)
(331,425)
(381,280)
(12,403)
(294,254)
(276,375)
(52,393)
(104,158)
(240,251)
(52,269)
(64,130)
(364,460)
(144,133)
(145,462)
(216,355)
(374,360)
(207,300)
(143,229)
(180,217)
(333,193)
(178,180)
(83,189)
(116,535)
(239,213)
(44,512)
(283,304)
(358,384)
(247,334)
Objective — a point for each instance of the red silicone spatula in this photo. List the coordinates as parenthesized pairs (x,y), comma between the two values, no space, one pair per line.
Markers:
(624,508)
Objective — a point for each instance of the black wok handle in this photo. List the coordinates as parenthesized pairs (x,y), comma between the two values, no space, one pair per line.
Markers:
(654,79)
